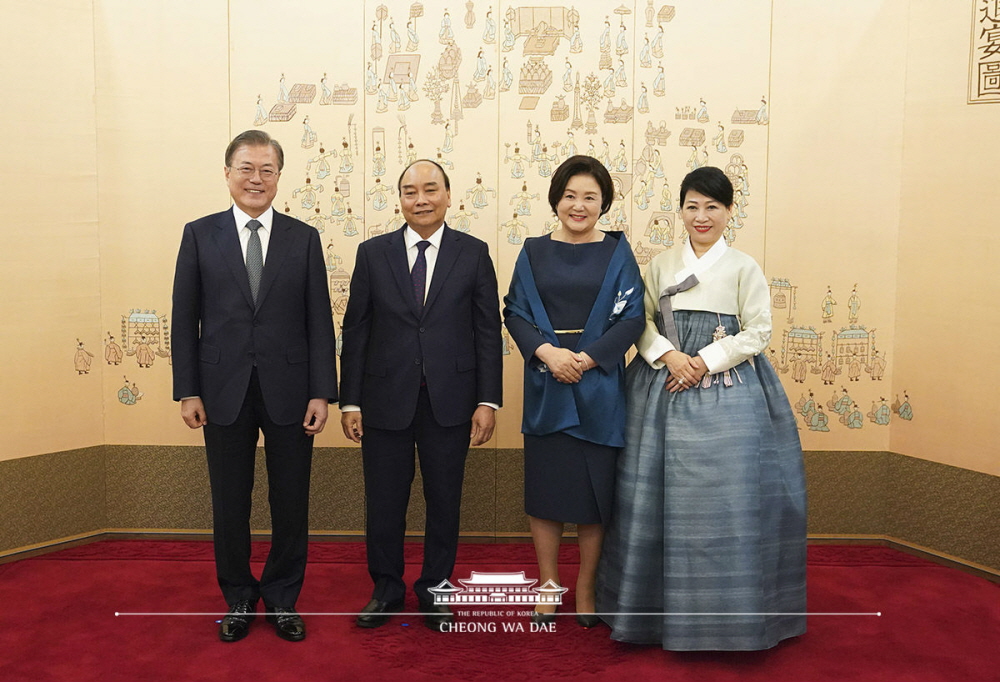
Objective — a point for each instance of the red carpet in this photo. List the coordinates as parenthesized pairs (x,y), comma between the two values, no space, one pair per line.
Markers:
(937,623)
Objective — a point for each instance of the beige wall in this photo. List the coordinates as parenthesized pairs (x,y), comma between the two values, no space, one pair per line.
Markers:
(947,315)
(50,260)
(120,134)
(162,77)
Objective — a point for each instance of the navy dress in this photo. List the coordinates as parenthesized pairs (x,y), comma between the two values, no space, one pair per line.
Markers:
(566,478)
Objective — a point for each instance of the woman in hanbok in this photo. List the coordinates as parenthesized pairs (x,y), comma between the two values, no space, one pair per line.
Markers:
(282,89)
(506,76)
(605,39)
(338,206)
(621,44)
(666,198)
(509,39)
(412,39)
(707,545)
(645,58)
(574,308)
(479,75)
(640,197)
(659,83)
(570,147)
(326,98)
(376,48)
(478,194)
(394,40)
(620,162)
(702,115)
(545,161)
(371,80)
(308,135)
(609,85)
(377,195)
(642,104)
(351,223)
(576,40)
(657,47)
(378,162)
(621,79)
(446,35)
(490,30)
(490,88)
(382,104)
(762,116)
(260,117)
(720,139)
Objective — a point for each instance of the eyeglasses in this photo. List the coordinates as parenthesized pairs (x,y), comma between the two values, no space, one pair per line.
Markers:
(266,174)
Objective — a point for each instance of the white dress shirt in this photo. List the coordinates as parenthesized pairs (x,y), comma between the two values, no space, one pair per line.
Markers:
(264,231)
(410,238)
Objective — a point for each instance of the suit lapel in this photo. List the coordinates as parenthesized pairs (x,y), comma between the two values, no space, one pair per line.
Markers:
(277,248)
(395,254)
(228,241)
(446,259)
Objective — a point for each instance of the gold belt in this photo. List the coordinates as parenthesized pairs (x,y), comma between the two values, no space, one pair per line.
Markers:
(568,331)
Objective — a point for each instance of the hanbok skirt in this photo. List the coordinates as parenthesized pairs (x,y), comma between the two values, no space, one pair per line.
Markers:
(708,530)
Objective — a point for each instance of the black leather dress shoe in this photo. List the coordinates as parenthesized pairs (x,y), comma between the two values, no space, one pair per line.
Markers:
(436,616)
(236,624)
(287,623)
(539,618)
(376,613)
(588,620)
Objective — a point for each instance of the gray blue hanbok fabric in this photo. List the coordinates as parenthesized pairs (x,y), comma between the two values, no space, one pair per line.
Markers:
(708,531)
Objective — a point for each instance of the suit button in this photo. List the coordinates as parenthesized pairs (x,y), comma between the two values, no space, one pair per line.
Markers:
(421,330)
(256,323)
(416,361)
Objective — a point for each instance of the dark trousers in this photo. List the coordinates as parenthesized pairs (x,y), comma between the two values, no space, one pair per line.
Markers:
(288,452)
(389,470)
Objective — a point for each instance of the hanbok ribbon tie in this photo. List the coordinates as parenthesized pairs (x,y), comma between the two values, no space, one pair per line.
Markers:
(669,329)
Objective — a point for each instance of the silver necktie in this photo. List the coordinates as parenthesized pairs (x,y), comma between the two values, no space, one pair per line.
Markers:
(255,259)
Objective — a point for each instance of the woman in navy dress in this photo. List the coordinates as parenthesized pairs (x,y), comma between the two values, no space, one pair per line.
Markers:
(574,308)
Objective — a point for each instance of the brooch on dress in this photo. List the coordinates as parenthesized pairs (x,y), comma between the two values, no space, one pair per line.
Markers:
(621,300)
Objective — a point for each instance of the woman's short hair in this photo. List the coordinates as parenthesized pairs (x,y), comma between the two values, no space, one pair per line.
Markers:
(581,165)
(709,181)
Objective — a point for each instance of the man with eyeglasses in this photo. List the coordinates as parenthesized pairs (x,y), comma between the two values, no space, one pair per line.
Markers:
(253,351)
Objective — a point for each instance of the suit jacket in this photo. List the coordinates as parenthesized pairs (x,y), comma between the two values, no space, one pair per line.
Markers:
(390,344)
(218,333)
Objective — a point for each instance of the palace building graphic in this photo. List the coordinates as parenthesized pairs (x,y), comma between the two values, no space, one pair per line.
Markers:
(498,588)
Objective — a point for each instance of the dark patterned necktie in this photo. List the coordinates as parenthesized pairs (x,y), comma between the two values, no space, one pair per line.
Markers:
(255,259)
(418,275)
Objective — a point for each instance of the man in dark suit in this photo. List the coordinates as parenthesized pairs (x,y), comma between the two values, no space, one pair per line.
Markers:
(253,351)
(421,366)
